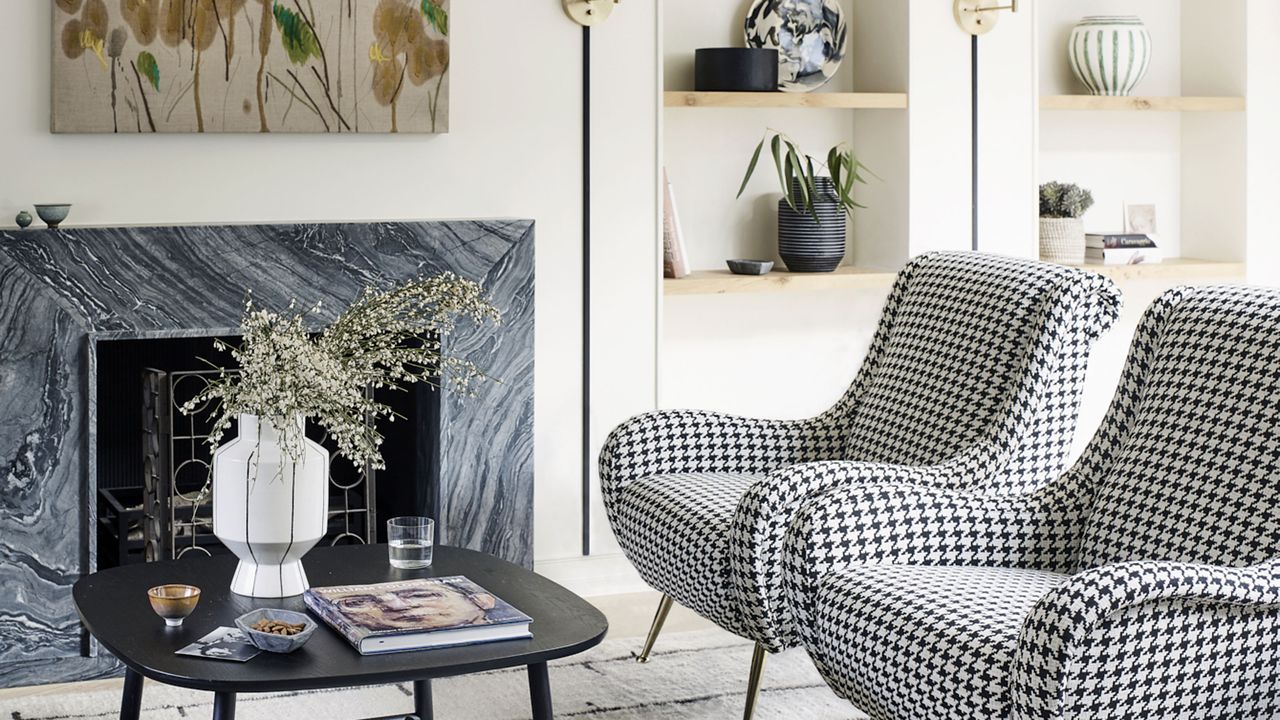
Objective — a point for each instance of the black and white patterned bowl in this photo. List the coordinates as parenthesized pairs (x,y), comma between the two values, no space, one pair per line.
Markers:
(270,641)
(811,37)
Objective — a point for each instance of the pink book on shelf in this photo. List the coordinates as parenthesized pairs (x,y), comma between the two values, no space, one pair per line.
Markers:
(675,261)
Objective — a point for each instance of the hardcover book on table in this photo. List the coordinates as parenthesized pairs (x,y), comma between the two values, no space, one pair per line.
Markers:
(416,614)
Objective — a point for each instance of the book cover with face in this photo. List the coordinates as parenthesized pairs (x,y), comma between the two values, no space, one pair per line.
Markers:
(419,605)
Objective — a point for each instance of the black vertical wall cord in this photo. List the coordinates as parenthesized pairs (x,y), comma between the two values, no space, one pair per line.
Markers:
(973,59)
(586,290)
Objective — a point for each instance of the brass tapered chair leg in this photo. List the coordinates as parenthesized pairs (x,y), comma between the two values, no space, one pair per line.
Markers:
(664,607)
(753,682)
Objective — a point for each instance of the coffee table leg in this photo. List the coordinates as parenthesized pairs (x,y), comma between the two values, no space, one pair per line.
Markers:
(131,700)
(422,699)
(224,706)
(540,691)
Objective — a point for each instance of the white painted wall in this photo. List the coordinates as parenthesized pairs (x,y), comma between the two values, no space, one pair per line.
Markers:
(1263,148)
(793,354)
(1008,135)
(1120,157)
(707,151)
(515,150)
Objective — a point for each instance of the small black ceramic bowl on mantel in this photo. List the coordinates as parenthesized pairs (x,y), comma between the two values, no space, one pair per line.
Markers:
(735,70)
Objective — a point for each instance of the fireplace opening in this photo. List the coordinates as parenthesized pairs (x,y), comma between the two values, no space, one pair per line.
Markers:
(153,463)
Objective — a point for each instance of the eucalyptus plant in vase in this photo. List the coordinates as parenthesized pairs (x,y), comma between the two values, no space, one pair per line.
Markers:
(270,482)
(812,231)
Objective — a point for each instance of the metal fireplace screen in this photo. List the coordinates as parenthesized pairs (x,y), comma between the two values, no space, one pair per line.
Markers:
(177,509)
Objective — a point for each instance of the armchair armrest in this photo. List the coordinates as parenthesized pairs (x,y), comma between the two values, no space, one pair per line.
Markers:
(759,530)
(1213,631)
(690,441)
(915,523)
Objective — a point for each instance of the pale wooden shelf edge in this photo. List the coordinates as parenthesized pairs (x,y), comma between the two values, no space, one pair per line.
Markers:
(1178,269)
(723,282)
(867,101)
(720,282)
(1142,103)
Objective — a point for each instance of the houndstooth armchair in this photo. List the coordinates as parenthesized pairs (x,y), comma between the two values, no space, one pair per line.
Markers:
(1143,584)
(972,381)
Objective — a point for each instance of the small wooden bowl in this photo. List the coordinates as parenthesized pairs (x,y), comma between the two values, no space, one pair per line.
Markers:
(174,602)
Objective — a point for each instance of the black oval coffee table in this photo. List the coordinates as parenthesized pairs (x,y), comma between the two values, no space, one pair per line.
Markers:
(113,606)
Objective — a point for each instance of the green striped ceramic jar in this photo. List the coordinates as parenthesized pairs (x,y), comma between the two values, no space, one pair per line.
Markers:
(1110,53)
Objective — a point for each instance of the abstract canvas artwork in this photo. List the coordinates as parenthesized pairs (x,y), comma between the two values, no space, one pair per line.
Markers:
(227,66)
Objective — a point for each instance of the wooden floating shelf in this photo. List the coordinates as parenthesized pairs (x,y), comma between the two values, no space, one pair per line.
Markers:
(1176,269)
(723,282)
(720,282)
(866,101)
(1141,104)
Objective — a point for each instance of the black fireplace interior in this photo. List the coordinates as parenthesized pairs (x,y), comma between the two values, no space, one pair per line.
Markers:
(130,515)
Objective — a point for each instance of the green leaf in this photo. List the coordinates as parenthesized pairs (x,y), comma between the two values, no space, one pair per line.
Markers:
(436,15)
(812,181)
(846,187)
(776,146)
(788,173)
(751,168)
(148,66)
(797,173)
(295,35)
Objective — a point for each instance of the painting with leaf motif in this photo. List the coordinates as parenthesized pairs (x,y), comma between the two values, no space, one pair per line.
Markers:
(235,66)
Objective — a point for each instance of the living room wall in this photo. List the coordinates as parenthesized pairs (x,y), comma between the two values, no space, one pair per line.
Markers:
(514,150)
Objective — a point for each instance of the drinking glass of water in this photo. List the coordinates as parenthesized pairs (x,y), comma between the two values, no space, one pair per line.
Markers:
(411,540)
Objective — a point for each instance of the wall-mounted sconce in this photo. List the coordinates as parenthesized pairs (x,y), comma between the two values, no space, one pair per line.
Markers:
(589,12)
(976,17)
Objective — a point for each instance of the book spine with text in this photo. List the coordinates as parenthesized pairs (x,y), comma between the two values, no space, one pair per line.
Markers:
(1120,241)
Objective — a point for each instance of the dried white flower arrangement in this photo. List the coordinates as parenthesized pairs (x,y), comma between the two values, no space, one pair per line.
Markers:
(386,339)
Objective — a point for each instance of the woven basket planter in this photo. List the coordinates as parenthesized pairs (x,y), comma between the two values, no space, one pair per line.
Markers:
(1062,240)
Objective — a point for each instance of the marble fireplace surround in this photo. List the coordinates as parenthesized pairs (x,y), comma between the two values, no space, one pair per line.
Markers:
(63,291)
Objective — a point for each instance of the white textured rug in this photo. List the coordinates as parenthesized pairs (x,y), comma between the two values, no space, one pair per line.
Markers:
(690,675)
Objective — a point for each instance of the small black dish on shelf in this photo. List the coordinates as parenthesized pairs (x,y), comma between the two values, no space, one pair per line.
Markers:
(750,267)
(735,70)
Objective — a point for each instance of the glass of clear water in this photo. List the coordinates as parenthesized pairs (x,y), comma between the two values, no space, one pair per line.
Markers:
(411,541)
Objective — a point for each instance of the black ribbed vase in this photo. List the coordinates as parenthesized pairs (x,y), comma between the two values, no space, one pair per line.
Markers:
(806,245)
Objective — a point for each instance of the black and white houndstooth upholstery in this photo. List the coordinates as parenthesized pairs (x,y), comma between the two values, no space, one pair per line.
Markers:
(973,380)
(1145,583)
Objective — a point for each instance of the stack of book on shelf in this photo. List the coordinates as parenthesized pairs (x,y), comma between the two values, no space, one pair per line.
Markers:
(1120,249)
(675,261)
(416,614)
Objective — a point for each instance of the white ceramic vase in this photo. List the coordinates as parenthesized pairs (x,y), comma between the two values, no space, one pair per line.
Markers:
(1110,53)
(268,509)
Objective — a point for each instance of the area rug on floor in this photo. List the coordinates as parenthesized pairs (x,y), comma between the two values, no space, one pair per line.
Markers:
(690,675)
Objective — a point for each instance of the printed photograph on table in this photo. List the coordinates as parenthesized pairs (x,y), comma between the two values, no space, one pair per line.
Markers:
(241,66)
(224,643)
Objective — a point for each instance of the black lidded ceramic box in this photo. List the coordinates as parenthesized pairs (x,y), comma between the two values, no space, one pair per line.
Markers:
(736,70)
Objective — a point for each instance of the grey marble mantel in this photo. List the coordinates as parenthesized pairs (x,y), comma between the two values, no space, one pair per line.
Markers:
(61,291)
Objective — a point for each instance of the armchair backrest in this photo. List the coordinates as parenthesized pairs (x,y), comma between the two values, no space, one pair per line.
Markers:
(979,359)
(1186,465)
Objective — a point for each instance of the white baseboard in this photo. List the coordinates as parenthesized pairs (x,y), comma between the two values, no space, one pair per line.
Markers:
(595,575)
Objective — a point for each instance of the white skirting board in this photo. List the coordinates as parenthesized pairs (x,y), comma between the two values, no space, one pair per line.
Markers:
(593,576)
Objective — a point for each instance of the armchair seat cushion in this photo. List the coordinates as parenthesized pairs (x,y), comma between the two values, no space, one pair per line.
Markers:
(675,529)
(911,642)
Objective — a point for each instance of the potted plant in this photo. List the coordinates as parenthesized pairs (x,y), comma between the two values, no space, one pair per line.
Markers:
(811,215)
(270,482)
(1061,229)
